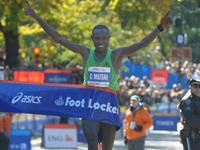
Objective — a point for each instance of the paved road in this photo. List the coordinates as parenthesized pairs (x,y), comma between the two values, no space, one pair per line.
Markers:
(164,140)
(157,140)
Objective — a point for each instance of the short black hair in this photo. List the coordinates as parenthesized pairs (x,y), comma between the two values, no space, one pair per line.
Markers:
(100,26)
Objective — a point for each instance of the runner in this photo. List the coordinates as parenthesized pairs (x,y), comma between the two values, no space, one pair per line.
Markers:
(102,66)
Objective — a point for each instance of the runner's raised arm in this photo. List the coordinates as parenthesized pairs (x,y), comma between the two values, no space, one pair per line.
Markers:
(128,50)
(84,51)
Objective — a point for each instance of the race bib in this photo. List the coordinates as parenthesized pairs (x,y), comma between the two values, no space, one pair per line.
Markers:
(99,76)
(132,125)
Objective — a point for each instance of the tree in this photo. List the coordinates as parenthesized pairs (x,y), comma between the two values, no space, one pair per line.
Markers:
(9,22)
(140,17)
(75,20)
(11,18)
(129,21)
(189,12)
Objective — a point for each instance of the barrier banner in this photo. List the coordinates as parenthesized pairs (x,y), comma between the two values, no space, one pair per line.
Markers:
(58,76)
(60,136)
(60,100)
(162,122)
(29,76)
(20,139)
(159,75)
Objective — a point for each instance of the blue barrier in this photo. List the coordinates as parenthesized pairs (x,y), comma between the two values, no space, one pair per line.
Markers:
(20,140)
(34,125)
(59,77)
(165,122)
(139,71)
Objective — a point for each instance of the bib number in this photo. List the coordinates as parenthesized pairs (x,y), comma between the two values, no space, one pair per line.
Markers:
(99,76)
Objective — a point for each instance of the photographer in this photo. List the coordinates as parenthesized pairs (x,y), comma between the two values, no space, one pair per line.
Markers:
(137,121)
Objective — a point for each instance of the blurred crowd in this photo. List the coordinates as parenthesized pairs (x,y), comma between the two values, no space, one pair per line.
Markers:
(156,95)
(149,92)
(182,68)
(152,95)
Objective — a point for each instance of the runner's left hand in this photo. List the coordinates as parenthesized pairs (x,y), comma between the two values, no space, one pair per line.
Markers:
(166,21)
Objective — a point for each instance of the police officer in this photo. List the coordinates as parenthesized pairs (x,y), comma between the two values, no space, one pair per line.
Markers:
(190,116)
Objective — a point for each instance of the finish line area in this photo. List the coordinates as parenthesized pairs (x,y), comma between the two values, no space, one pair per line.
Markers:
(55,100)
(33,128)
(157,139)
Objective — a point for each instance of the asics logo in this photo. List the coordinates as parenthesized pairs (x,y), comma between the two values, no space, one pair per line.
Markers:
(29,99)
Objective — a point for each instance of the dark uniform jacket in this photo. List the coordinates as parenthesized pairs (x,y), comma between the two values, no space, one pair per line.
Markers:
(190,111)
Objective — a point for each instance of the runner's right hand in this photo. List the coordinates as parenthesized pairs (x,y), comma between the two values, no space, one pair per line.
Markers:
(28,10)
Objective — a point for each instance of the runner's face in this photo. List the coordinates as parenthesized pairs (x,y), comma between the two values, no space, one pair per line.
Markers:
(195,89)
(100,39)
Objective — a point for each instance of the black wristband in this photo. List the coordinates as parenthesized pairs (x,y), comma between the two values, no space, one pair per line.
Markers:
(160,28)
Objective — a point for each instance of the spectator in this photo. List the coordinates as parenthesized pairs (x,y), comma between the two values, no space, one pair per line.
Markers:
(137,121)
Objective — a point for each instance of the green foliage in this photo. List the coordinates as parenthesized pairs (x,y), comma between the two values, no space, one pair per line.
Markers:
(10,11)
(189,12)
(1,41)
(73,20)
(143,13)
(137,19)
(128,20)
